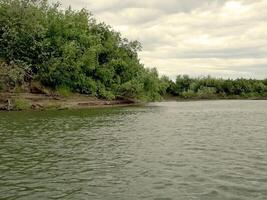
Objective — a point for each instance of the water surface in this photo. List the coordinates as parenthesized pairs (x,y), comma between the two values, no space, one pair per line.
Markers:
(162,151)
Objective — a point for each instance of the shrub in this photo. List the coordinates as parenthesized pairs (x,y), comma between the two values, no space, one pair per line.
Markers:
(20,104)
(64,91)
(103,93)
(108,95)
(264,94)
(188,94)
(12,75)
(19,89)
(37,88)
(86,85)
(131,89)
(250,95)
(70,51)
(206,92)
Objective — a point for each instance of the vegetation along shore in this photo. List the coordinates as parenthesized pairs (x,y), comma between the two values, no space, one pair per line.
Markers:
(54,58)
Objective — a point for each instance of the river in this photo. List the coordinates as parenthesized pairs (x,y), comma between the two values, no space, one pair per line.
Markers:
(161,151)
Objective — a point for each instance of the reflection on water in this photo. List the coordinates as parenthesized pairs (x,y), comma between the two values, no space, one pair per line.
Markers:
(173,150)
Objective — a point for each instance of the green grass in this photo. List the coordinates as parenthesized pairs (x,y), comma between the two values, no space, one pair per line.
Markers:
(64,91)
(20,104)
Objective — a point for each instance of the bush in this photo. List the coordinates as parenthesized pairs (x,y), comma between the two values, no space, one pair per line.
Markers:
(188,94)
(86,85)
(250,95)
(69,49)
(131,89)
(64,91)
(37,88)
(12,75)
(206,92)
(20,104)
(108,95)
(19,89)
(207,87)
(103,93)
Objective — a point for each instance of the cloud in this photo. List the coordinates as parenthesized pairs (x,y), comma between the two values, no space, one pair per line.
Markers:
(224,38)
(168,6)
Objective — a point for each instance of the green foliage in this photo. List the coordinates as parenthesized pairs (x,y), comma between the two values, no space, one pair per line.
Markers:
(103,92)
(106,95)
(12,75)
(38,88)
(131,89)
(69,48)
(69,51)
(189,94)
(20,104)
(206,92)
(19,89)
(64,91)
(208,88)
(153,86)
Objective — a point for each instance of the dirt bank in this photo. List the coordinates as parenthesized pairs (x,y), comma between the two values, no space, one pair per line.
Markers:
(30,101)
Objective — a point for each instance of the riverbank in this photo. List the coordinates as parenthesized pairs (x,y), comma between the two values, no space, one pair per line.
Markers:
(31,101)
(218,98)
(213,98)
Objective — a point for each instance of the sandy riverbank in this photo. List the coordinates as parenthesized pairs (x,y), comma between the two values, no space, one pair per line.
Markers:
(30,101)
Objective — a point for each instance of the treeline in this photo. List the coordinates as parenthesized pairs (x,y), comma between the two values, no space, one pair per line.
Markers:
(208,88)
(68,50)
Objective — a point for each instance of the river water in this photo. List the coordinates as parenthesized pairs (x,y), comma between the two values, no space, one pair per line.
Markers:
(162,151)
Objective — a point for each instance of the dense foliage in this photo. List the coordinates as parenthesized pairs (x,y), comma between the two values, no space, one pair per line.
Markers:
(207,87)
(69,49)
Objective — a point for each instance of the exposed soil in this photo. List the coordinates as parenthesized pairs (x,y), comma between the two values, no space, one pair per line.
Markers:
(44,102)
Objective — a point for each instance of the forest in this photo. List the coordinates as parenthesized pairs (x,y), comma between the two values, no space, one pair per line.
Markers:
(70,52)
(216,88)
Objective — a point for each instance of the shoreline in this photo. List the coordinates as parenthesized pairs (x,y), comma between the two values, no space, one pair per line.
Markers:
(179,99)
(41,102)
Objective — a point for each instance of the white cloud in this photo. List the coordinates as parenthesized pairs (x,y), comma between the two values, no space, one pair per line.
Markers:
(197,37)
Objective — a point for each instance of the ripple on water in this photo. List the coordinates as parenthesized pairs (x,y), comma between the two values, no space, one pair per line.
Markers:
(175,150)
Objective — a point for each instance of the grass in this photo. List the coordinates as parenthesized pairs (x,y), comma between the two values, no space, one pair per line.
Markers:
(53,106)
(19,89)
(64,91)
(20,104)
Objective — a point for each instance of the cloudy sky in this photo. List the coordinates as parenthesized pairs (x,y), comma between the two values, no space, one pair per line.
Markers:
(222,38)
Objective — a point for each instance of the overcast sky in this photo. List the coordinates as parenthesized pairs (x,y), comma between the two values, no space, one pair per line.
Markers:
(222,38)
